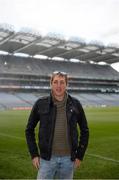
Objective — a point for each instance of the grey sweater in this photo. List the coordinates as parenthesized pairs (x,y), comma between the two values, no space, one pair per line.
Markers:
(60,141)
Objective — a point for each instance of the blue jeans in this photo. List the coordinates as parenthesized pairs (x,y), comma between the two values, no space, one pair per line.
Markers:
(59,167)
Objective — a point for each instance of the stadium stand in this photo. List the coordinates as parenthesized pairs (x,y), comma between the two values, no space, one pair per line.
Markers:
(24,79)
(20,87)
(9,63)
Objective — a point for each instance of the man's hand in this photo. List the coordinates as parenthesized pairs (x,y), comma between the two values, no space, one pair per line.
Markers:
(36,162)
(77,163)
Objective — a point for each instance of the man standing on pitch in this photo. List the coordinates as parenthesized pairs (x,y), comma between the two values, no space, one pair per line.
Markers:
(61,145)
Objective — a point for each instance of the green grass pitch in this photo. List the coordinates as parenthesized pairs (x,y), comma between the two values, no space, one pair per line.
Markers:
(102,156)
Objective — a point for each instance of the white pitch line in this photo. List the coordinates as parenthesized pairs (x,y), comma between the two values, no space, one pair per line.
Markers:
(103,157)
(11,136)
(92,155)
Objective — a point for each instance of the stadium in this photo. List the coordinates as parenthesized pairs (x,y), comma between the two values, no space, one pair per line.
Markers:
(27,60)
(21,69)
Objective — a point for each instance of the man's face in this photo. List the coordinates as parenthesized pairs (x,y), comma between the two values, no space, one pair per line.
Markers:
(58,85)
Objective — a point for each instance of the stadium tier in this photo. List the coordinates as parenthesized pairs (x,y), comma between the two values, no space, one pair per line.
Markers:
(23,79)
(21,101)
(25,65)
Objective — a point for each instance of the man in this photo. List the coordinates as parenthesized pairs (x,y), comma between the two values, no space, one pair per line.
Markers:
(61,149)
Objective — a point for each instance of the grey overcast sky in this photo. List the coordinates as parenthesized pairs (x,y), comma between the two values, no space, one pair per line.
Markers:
(88,19)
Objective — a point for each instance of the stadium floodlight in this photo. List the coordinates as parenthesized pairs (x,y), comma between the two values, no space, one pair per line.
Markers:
(58,59)
(39,56)
(102,63)
(74,60)
(4,52)
(21,54)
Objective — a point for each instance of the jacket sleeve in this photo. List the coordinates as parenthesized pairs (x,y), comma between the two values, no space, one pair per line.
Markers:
(30,131)
(84,133)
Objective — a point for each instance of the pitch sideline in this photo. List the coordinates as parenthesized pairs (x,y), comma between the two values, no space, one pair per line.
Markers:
(11,136)
(102,157)
(91,155)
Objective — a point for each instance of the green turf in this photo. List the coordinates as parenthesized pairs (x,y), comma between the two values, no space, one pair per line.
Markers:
(101,160)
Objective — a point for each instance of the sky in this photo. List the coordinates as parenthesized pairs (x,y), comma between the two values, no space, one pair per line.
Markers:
(91,20)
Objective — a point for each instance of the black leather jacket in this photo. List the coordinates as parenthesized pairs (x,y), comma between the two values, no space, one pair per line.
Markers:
(44,111)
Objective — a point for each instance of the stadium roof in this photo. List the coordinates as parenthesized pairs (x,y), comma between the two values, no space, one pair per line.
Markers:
(54,45)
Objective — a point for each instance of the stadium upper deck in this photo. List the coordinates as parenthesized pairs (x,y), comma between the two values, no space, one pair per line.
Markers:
(53,45)
(22,65)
